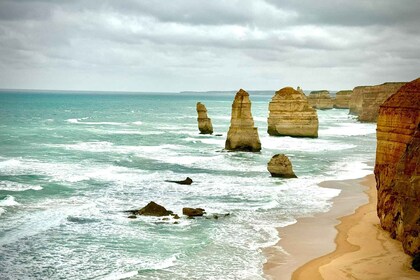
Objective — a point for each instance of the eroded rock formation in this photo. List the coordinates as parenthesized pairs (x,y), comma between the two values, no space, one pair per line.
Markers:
(291,115)
(342,99)
(204,123)
(151,209)
(280,166)
(320,99)
(242,135)
(365,100)
(397,167)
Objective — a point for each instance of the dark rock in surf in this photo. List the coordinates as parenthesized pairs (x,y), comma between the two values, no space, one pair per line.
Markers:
(187,181)
(193,212)
(151,209)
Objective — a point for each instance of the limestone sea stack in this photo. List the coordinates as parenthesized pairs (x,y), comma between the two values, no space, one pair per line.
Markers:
(242,135)
(204,123)
(342,99)
(280,166)
(365,100)
(291,115)
(397,166)
(320,99)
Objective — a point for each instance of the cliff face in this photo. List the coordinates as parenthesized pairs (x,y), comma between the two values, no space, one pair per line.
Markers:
(291,115)
(242,135)
(397,167)
(366,100)
(342,99)
(320,100)
(204,123)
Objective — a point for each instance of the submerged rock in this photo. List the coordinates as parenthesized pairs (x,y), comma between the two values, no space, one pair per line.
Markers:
(280,166)
(397,166)
(187,181)
(242,135)
(151,209)
(291,115)
(204,123)
(193,212)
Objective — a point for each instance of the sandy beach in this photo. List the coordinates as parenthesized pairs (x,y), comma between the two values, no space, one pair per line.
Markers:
(329,247)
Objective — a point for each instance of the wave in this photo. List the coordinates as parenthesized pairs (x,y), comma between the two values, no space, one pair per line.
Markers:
(80,121)
(120,275)
(8,200)
(17,187)
(303,145)
(137,123)
(2,211)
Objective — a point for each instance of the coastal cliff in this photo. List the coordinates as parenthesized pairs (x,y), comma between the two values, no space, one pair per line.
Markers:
(320,100)
(365,100)
(342,99)
(242,135)
(397,167)
(291,115)
(204,123)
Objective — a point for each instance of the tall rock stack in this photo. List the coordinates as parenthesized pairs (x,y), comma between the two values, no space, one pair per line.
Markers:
(291,115)
(204,123)
(366,100)
(320,100)
(397,167)
(342,99)
(242,135)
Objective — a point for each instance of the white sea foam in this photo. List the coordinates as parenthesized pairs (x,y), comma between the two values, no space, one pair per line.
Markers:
(17,187)
(2,211)
(348,129)
(8,201)
(137,123)
(303,144)
(120,275)
(80,121)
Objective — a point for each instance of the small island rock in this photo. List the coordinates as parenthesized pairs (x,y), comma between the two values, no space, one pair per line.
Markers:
(280,166)
(151,209)
(193,212)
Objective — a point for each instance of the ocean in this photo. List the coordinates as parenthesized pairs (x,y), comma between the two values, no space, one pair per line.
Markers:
(71,163)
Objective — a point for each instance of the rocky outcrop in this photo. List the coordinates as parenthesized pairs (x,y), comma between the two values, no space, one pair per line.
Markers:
(280,166)
(342,99)
(242,135)
(204,123)
(187,181)
(291,115)
(397,167)
(151,209)
(193,212)
(320,100)
(300,90)
(365,100)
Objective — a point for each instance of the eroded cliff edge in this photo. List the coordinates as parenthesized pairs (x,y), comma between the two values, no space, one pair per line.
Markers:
(397,167)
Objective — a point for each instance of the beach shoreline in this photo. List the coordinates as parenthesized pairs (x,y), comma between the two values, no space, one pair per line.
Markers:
(343,243)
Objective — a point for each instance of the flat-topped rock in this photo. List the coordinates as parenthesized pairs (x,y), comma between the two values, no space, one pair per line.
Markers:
(242,135)
(320,99)
(204,122)
(342,99)
(291,115)
(365,100)
(397,166)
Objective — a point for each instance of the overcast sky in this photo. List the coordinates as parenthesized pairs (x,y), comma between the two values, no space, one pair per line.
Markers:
(175,45)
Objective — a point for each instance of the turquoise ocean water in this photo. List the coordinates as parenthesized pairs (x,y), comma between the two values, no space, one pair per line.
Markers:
(71,163)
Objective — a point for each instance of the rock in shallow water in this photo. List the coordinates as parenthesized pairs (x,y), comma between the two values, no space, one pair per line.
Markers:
(151,209)
(187,181)
(280,166)
(193,212)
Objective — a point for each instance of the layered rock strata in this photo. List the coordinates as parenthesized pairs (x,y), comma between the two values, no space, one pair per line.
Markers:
(280,166)
(291,115)
(365,100)
(342,99)
(242,135)
(397,167)
(204,123)
(320,100)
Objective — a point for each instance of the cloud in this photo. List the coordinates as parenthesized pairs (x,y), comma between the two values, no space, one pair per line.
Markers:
(196,44)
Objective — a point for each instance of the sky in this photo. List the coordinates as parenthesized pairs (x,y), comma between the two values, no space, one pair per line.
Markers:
(197,45)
